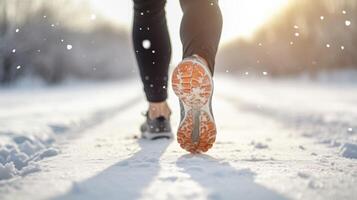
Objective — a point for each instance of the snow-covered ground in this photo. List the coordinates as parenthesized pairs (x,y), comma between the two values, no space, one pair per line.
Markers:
(280,139)
(32,119)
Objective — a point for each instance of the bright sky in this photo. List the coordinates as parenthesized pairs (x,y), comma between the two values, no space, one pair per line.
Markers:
(240,17)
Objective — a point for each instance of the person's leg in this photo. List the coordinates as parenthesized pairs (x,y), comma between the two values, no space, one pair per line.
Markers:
(153,52)
(201,29)
(192,79)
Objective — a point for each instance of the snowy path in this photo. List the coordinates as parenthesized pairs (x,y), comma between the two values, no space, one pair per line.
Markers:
(273,143)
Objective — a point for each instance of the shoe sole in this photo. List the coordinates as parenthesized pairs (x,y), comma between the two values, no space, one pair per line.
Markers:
(155,136)
(193,84)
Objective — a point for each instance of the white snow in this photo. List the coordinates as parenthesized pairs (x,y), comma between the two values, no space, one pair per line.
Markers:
(260,146)
(146,44)
(349,150)
(303,175)
(277,139)
(93,17)
(69,47)
(7,171)
(347,22)
(29,128)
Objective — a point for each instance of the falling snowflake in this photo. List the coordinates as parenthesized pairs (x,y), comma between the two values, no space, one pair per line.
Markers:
(69,47)
(153,51)
(93,17)
(344,12)
(342,47)
(18,67)
(291,43)
(297,34)
(246,73)
(14,50)
(328,45)
(146,44)
(142,13)
(322,17)
(347,22)
(17,30)
(350,129)
(227,70)
(265,73)
(296,27)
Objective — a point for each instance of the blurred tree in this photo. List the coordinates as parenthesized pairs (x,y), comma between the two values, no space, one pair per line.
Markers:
(308,36)
(35,35)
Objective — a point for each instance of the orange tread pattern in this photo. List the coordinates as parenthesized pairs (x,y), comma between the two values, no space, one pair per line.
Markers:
(193,86)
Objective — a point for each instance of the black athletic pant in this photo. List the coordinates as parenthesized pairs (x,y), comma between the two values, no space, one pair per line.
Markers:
(200,33)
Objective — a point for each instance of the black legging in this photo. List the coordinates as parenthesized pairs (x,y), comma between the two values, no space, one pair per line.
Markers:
(200,33)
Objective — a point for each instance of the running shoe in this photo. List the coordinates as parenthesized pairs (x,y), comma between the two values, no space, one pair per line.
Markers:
(193,84)
(157,128)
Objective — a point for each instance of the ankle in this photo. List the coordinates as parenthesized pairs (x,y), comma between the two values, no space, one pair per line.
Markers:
(159,109)
(202,59)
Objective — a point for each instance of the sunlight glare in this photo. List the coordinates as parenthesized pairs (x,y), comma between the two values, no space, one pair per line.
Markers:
(241,18)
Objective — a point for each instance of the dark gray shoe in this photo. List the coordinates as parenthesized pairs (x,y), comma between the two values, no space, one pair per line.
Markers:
(157,128)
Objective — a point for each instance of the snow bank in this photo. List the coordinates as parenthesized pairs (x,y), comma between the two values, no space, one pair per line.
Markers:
(7,171)
(19,157)
(34,117)
(347,76)
(324,109)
